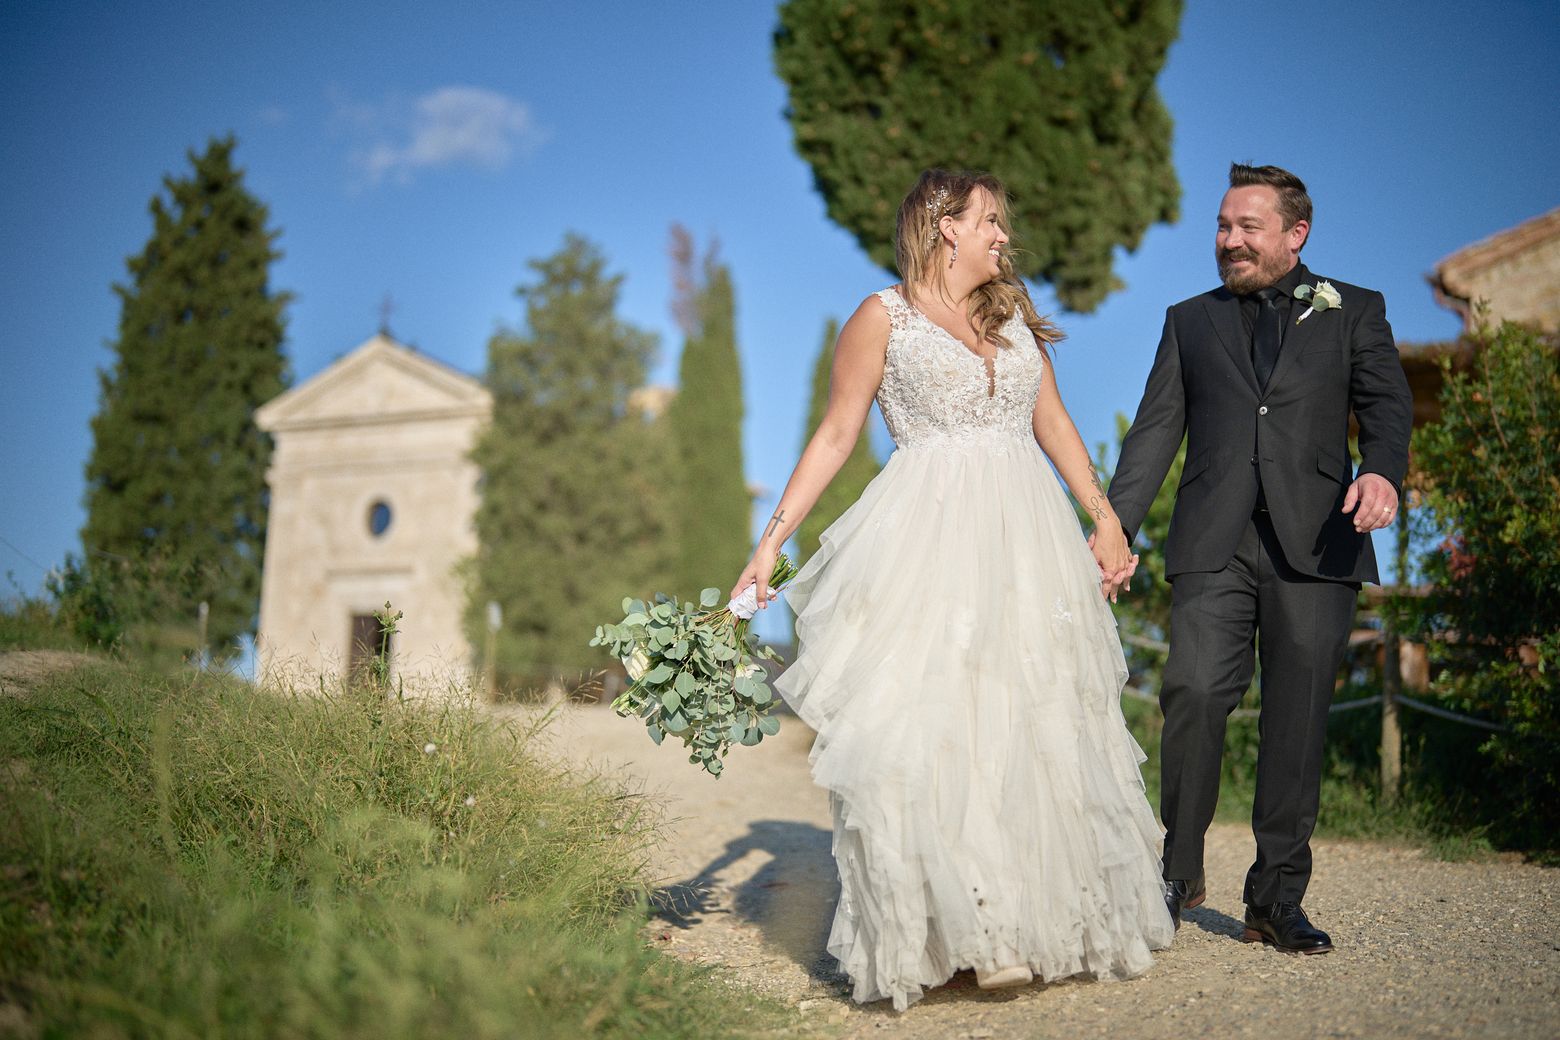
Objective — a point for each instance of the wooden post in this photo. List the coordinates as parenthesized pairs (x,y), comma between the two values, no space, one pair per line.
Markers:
(1392,676)
(495,618)
(202,614)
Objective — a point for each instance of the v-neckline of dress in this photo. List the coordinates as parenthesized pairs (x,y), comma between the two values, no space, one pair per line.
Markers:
(988,362)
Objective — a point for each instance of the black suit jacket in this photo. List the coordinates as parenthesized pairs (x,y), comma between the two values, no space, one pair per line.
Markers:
(1293,436)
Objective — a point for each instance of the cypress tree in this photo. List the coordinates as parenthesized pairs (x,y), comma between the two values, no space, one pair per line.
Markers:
(710,504)
(859,467)
(563,527)
(1055,98)
(176,491)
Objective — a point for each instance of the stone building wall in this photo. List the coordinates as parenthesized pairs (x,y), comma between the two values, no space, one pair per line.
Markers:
(1516,272)
(373,496)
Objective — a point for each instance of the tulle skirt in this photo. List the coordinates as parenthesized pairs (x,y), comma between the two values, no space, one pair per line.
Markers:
(963,674)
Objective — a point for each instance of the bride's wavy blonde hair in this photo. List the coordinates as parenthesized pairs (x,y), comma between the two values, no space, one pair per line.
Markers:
(920,253)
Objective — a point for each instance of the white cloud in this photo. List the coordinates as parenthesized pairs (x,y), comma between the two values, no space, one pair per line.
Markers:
(447,127)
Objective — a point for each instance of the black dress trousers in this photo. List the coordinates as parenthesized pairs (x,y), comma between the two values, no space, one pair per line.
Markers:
(1219,623)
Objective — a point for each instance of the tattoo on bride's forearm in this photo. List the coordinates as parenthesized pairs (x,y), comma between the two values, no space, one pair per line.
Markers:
(1096,500)
(774,523)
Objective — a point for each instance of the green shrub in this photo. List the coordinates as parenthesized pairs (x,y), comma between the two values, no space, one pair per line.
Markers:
(1490,467)
(187,856)
(30,623)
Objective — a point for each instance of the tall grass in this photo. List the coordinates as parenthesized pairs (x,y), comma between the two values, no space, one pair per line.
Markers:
(187,856)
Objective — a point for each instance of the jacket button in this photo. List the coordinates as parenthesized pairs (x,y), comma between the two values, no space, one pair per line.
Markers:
(1262,410)
(1253,460)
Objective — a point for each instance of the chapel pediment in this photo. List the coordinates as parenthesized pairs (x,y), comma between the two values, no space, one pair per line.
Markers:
(380,381)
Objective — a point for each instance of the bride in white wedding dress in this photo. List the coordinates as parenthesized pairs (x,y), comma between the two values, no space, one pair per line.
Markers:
(956,655)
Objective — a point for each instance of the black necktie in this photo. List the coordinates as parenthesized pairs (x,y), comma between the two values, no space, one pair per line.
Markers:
(1268,334)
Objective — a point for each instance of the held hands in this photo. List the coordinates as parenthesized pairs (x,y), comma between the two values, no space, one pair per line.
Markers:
(1116,559)
(1376,499)
(757,572)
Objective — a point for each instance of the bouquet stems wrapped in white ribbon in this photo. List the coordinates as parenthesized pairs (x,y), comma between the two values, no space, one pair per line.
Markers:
(694,670)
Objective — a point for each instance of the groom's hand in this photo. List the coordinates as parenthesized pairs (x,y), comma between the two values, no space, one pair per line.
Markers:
(1113,580)
(1373,500)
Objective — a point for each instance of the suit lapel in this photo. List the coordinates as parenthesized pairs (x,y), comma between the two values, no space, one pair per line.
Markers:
(1223,309)
(1300,334)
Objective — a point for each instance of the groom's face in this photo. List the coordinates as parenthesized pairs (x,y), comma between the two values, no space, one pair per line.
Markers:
(1253,248)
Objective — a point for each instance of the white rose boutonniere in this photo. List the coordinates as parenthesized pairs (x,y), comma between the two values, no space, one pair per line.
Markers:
(1323,297)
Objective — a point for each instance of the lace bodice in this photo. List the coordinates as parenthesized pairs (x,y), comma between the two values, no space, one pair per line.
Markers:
(935,389)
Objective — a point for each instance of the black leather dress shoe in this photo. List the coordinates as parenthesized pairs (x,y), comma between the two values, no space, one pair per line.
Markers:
(1183,895)
(1285,926)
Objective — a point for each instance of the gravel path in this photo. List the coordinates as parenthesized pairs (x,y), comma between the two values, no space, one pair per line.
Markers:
(20,670)
(1424,948)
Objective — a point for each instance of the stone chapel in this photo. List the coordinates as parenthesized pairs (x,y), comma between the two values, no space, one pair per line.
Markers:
(373,499)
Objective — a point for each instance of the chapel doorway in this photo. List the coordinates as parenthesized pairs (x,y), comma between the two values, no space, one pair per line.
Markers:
(370,644)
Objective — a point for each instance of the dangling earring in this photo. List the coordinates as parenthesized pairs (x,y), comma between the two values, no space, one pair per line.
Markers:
(955,255)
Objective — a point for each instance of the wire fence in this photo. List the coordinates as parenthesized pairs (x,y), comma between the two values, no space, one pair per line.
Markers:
(1162,649)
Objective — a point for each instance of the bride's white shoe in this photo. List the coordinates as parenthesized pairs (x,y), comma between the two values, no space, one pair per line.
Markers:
(1002,978)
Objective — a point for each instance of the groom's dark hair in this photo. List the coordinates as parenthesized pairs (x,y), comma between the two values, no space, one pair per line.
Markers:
(1293,202)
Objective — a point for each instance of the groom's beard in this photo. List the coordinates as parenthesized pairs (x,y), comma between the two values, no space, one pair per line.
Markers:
(1268,270)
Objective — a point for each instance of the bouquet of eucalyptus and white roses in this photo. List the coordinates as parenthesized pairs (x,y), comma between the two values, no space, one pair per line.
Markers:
(694,670)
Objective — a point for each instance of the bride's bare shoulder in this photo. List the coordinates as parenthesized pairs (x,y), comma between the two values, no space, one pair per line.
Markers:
(865,333)
(872,314)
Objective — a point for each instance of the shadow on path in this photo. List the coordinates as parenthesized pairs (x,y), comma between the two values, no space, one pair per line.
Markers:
(791,897)
(1213,922)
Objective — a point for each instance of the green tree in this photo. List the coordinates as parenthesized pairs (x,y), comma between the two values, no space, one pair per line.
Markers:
(1490,470)
(708,497)
(563,527)
(859,467)
(1056,98)
(176,495)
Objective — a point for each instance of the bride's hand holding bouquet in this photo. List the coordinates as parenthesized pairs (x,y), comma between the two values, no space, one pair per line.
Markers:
(693,668)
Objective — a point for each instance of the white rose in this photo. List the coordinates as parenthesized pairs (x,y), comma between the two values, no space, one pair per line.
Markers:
(1327,297)
(749,671)
(636,664)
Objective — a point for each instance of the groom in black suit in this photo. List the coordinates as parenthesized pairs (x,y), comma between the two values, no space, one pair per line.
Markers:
(1270,537)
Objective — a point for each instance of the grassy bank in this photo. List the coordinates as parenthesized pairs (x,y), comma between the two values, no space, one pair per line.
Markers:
(185,856)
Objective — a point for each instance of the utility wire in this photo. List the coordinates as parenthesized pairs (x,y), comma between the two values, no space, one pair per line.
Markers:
(29,559)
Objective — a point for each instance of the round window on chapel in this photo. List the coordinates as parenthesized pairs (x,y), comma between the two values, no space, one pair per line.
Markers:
(379,518)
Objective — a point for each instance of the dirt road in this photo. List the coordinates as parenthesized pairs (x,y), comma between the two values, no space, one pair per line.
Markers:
(1424,948)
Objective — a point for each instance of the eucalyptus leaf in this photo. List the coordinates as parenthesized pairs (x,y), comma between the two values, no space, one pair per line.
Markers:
(657,675)
(769,724)
(684,684)
(675,723)
(709,597)
(657,734)
(671,700)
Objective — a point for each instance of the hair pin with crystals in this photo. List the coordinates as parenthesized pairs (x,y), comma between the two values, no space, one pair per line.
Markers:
(934,206)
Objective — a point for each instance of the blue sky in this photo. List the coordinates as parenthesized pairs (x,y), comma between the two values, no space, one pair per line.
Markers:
(427,151)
